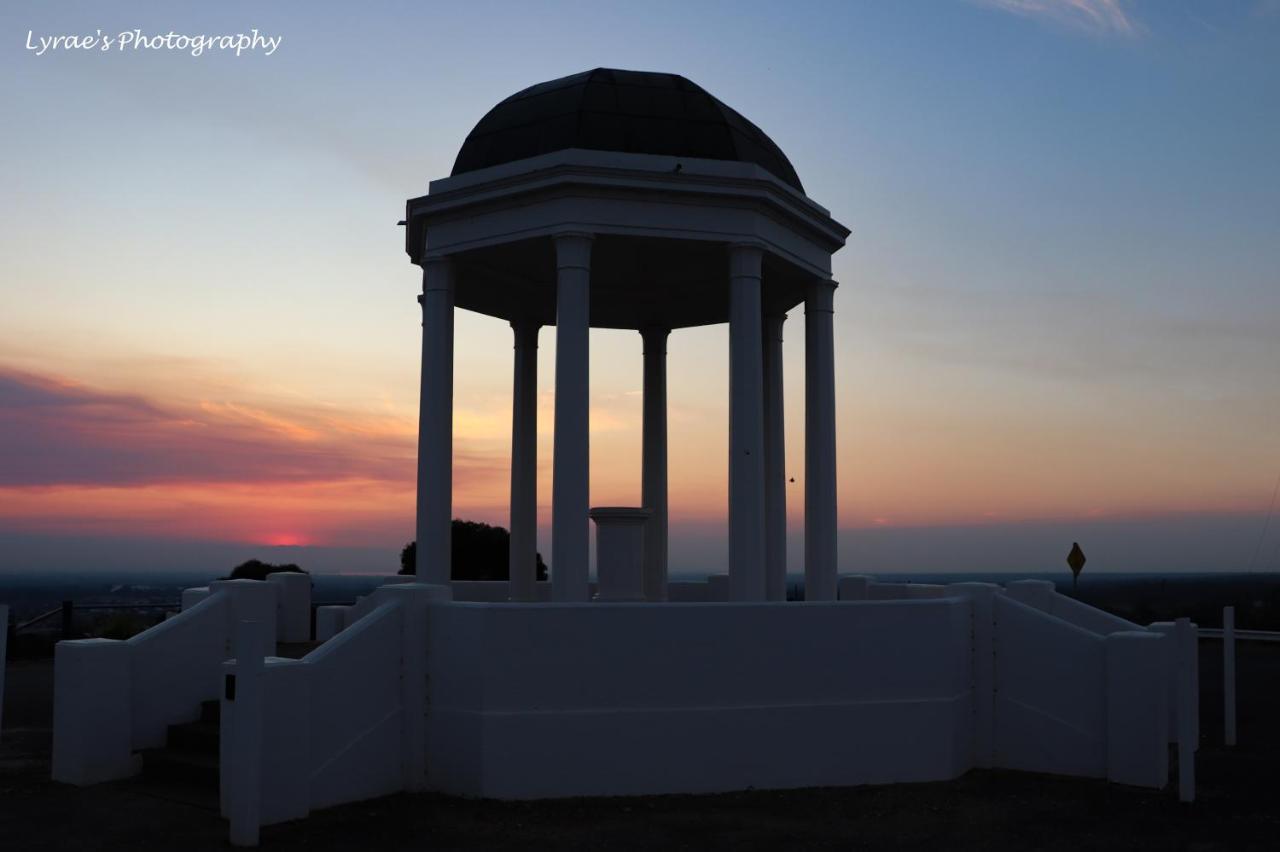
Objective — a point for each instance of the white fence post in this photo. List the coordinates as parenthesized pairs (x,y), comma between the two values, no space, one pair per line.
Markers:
(1137,695)
(249,600)
(284,761)
(1229,674)
(245,795)
(1185,640)
(415,598)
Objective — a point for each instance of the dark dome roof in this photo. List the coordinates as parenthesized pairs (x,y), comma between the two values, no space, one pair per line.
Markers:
(634,112)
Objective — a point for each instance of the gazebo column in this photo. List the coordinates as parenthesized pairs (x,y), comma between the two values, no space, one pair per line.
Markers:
(435,424)
(746,426)
(819,443)
(570,482)
(523,559)
(775,483)
(653,465)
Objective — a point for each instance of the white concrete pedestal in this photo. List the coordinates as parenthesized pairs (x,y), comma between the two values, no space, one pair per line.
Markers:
(330,621)
(293,605)
(620,535)
(92,712)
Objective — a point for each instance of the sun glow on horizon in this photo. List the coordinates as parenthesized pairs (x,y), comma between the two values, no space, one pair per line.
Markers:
(286,540)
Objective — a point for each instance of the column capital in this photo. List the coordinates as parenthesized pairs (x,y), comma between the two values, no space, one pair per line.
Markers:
(773,325)
(573,249)
(745,259)
(820,296)
(525,332)
(655,335)
(437,274)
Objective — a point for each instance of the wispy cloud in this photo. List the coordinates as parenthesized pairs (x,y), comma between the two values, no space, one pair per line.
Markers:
(1098,17)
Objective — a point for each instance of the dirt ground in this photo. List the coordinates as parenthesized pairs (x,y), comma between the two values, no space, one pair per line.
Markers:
(1238,804)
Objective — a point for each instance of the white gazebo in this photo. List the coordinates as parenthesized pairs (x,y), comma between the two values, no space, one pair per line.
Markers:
(626,200)
(623,199)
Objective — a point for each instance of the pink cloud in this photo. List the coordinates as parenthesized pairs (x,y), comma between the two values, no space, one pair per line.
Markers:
(56,432)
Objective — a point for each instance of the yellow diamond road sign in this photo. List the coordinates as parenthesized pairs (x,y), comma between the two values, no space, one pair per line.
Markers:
(1076,558)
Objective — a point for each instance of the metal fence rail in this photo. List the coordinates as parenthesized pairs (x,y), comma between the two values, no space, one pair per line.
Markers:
(68,608)
(1244,635)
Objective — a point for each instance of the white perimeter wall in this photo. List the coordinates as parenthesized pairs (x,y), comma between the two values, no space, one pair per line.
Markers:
(539,700)
(519,701)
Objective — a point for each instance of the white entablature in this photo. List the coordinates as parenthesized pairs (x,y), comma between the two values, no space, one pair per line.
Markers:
(663,214)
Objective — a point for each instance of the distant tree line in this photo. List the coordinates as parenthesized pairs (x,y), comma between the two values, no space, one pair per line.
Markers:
(480,552)
(256,569)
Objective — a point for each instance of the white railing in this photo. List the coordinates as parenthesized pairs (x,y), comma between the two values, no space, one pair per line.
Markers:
(1051,696)
(1090,618)
(345,723)
(113,698)
(174,666)
(1042,595)
(1050,702)
(354,688)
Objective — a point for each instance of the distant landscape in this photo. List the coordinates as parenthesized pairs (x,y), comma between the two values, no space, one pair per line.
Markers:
(127,602)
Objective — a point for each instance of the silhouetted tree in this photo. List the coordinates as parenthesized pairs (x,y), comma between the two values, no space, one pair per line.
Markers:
(480,552)
(256,569)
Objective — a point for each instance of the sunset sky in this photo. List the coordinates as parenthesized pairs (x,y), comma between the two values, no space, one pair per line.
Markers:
(1058,319)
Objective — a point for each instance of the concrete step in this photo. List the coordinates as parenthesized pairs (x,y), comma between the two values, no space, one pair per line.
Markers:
(190,755)
(195,737)
(181,766)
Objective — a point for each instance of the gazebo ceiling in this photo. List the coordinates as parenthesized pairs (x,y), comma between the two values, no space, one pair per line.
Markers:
(635,282)
(632,112)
